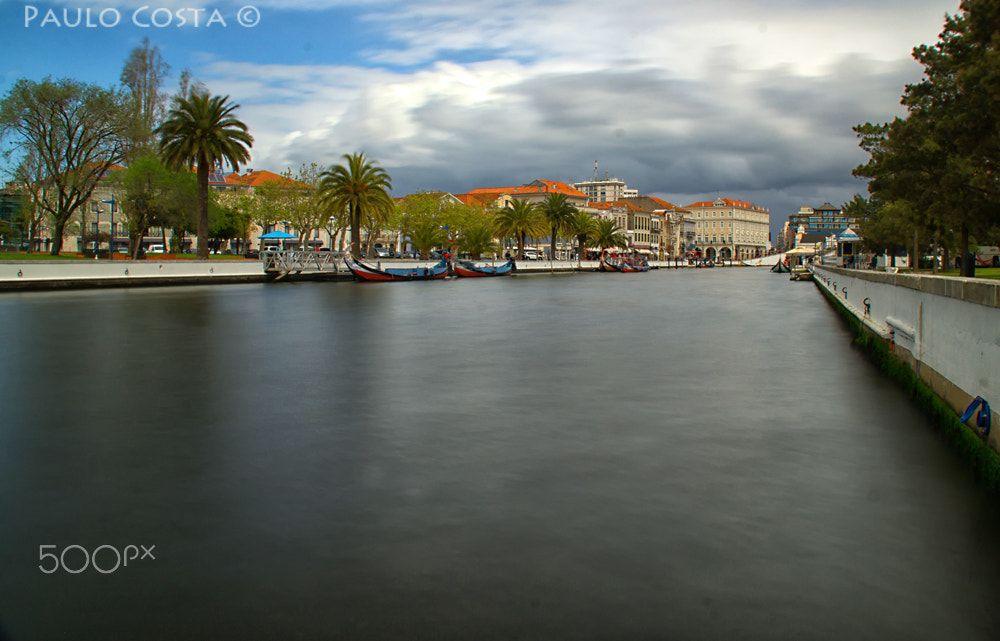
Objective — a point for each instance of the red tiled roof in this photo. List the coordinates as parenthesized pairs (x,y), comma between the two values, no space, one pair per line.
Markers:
(608,204)
(741,204)
(537,187)
(259,178)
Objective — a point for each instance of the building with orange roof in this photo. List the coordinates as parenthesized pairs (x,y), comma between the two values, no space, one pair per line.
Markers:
(533,192)
(730,229)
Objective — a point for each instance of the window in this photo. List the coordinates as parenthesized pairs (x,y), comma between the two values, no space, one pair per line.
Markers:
(93,228)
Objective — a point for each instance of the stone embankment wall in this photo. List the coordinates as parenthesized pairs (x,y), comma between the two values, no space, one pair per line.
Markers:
(43,274)
(947,329)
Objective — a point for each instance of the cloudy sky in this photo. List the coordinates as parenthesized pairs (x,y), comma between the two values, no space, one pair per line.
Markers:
(747,99)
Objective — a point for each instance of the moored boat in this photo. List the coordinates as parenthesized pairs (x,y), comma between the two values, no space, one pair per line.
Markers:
(467,269)
(368,273)
(781,267)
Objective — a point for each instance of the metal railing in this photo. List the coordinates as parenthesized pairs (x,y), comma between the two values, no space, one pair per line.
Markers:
(296,260)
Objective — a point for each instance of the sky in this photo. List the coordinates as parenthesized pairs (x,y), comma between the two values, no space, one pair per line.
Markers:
(746,99)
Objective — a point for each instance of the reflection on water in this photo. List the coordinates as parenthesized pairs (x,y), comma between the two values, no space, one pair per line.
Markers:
(683,455)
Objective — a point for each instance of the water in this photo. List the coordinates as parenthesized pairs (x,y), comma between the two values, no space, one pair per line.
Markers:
(683,455)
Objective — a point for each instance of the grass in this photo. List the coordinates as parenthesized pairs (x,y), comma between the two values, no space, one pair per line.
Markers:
(966,443)
(981,272)
(22,256)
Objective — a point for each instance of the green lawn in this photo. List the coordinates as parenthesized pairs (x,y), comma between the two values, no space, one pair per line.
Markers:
(981,272)
(21,256)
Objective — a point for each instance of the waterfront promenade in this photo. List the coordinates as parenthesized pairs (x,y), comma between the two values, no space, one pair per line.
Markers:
(55,274)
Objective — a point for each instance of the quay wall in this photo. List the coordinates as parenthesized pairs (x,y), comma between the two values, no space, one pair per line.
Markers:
(946,329)
(45,274)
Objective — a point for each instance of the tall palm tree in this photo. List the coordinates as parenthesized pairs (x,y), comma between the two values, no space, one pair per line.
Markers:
(360,188)
(201,130)
(519,219)
(557,210)
(582,226)
(609,234)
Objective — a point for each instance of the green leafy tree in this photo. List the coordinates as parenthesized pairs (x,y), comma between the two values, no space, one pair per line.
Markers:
(608,234)
(520,220)
(201,130)
(73,133)
(942,158)
(359,188)
(557,211)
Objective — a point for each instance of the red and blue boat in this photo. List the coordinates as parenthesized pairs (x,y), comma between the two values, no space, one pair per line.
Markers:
(467,269)
(376,274)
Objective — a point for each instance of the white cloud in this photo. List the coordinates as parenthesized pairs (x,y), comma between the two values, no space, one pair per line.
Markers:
(680,100)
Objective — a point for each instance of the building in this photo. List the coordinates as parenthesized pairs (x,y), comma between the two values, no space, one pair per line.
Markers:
(533,192)
(825,219)
(730,229)
(610,189)
(676,227)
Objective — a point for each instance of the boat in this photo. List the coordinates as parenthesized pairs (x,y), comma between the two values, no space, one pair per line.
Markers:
(622,264)
(366,272)
(781,267)
(801,273)
(467,269)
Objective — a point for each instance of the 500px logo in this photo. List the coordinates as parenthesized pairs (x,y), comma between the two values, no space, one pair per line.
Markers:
(80,559)
(143,17)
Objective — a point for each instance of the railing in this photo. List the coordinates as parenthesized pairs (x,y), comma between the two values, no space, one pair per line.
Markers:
(297,260)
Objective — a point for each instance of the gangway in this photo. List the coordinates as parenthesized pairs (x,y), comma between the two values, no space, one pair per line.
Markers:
(286,262)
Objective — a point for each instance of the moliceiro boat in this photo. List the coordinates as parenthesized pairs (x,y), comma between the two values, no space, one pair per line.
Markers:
(467,269)
(625,264)
(366,272)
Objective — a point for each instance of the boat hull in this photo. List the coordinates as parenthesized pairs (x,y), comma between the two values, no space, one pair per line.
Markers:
(464,269)
(372,274)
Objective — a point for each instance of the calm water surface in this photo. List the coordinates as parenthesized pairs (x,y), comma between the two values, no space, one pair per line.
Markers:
(673,455)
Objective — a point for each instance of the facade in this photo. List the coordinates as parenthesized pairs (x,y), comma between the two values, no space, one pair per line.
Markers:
(825,219)
(730,229)
(675,225)
(610,189)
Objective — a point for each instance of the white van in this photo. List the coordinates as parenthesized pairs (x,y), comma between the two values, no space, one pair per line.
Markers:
(154,249)
(988,257)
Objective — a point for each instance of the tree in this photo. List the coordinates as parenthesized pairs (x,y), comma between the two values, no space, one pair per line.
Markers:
(72,132)
(477,239)
(942,158)
(607,234)
(582,226)
(145,105)
(558,211)
(425,235)
(201,130)
(359,188)
(521,220)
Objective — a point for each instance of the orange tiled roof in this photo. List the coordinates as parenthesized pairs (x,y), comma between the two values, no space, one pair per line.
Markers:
(258,178)
(608,204)
(537,187)
(741,204)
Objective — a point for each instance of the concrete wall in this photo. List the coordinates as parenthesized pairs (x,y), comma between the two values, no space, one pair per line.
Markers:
(946,328)
(91,273)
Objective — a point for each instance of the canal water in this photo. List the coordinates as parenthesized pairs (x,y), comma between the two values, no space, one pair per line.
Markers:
(695,454)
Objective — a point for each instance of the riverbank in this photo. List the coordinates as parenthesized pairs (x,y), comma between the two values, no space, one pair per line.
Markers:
(38,274)
(938,338)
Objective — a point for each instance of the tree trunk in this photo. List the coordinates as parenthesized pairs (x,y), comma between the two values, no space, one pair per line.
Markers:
(203,210)
(57,237)
(965,250)
(355,231)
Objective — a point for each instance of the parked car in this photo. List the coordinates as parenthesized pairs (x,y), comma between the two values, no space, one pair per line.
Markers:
(155,249)
(382,252)
(530,254)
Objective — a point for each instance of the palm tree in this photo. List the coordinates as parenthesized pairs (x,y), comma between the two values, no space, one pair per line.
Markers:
(608,234)
(557,210)
(477,239)
(582,226)
(425,235)
(360,188)
(201,130)
(519,219)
